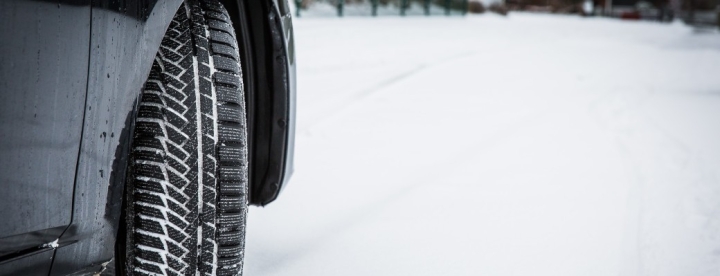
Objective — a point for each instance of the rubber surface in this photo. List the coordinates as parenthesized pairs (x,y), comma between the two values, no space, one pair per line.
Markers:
(189,184)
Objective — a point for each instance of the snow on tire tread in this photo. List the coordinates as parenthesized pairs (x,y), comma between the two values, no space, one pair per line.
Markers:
(189,152)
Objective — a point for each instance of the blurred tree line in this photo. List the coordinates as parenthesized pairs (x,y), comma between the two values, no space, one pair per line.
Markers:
(697,12)
(453,4)
(472,6)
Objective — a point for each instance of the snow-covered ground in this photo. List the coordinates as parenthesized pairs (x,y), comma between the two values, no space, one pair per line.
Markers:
(526,145)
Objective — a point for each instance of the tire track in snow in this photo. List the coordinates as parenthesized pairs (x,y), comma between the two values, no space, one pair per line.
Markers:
(358,96)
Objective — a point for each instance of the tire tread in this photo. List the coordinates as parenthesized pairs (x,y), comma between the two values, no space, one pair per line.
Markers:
(189,159)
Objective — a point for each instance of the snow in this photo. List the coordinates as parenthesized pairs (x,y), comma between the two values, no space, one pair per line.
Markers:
(485,145)
(53,244)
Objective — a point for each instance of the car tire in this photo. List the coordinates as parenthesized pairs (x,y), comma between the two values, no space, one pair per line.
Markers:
(186,203)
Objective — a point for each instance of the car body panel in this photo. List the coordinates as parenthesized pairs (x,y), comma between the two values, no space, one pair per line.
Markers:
(124,40)
(35,264)
(41,112)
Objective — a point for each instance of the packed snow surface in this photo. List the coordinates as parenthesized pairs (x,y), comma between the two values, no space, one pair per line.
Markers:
(486,145)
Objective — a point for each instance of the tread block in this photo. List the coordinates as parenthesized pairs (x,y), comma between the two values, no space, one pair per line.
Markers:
(206,106)
(148,169)
(213,6)
(176,235)
(232,188)
(178,209)
(148,267)
(140,196)
(232,173)
(177,221)
(230,203)
(230,113)
(227,79)
(151,98)
(147,141)
(226,64)
(217,16)
(228,94)
(231,250)
(230,134)
(177,250)
(230,154)
(222,37)
(150,226)
(153,242)
(224,50)
(149,186)
(151,128)
(151,256)
(222,26)
(149,154)
(176,151)
(175,264)
(149,211)
(229,271)
(229,218)
(230,237)
(150,111)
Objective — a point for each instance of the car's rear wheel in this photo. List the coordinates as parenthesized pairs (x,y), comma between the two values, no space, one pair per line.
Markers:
(186,199)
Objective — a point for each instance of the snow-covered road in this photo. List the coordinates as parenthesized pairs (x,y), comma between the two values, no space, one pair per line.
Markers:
(527,145)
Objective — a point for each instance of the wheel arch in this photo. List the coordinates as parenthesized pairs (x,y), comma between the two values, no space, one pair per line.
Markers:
(264,31)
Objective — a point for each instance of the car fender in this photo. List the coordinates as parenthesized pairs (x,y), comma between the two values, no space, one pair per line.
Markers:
(268,57)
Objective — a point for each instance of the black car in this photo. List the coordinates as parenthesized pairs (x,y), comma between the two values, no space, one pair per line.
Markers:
(135,133)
